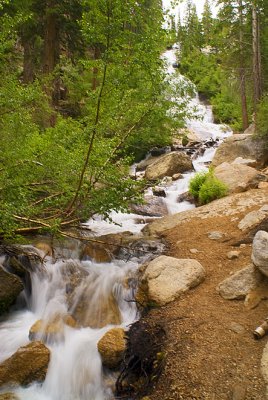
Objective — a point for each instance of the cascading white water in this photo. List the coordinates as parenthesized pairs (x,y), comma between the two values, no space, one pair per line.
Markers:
(75,370)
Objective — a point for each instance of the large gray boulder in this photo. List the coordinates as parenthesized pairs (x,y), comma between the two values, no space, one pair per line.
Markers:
(254,218)
(260,251)
(241,145)
(168,165)
(167,278)
(237,177)
(238,285)
(10,288)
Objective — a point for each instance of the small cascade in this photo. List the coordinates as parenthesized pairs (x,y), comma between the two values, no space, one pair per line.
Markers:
(73,303)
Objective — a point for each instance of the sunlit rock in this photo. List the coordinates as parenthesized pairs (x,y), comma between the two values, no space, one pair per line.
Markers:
(260,251)
(238,285)
(168,165)
(241,145)
(10,288)
(112,347)
(167,278)
(237,177)
(27,365)
(254,218)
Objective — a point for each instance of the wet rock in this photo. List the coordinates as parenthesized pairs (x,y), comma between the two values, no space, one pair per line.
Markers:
(168,165)
(153,207)
(186,197)
(237,177)
(8,396)
(158,191)
(96,312)
(21,261)
(112,347)
(241,145)
(52,330)
(167,278)
(142,248)
(45,249)
(252,219)
(260,251)
(27,365)
(238,285)
(175,177)
(10,288)
(158,151)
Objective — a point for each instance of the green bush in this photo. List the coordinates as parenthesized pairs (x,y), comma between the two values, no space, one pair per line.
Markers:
(205,187)
(196,182)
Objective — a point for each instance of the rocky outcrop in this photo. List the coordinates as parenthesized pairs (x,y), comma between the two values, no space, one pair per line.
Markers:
(237,177)
(10,288)
(253,219)
(27,365)
(112,347)
(168,165)
(230,205)
(166,278)
(238,285)
(241,145)
(260,251)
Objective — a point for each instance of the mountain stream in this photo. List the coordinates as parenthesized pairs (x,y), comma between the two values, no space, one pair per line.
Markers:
(75,370)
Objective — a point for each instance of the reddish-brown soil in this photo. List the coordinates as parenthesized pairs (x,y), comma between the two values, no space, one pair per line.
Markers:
(210,350)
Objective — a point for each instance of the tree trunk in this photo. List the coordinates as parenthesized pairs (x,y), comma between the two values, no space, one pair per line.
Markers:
(242,71)
(51,39)
(28,58)
(257,81)
(51,49)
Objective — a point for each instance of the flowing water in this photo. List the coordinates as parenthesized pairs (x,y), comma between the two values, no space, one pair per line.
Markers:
(75,370)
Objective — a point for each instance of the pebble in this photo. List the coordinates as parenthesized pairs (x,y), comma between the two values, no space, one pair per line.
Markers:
(194,251)
(215,235)
(232,255)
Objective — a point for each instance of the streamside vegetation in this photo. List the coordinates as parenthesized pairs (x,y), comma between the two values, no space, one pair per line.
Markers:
(82,95)
(226,56)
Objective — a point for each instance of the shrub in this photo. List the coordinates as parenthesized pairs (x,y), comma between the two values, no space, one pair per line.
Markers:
(206,187)
(196,182)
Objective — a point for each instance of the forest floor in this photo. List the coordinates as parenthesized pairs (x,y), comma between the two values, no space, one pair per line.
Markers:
(210,350)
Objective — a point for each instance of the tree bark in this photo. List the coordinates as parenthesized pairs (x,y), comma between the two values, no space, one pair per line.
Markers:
(28,59)
(257,80)
(242,71)
(51,39)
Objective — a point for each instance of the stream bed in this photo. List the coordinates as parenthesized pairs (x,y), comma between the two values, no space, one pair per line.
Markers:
(75,370)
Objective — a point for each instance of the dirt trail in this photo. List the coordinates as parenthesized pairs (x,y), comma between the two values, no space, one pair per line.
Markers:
(210,353)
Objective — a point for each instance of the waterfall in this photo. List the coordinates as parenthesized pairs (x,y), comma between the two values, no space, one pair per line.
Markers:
(96,294)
